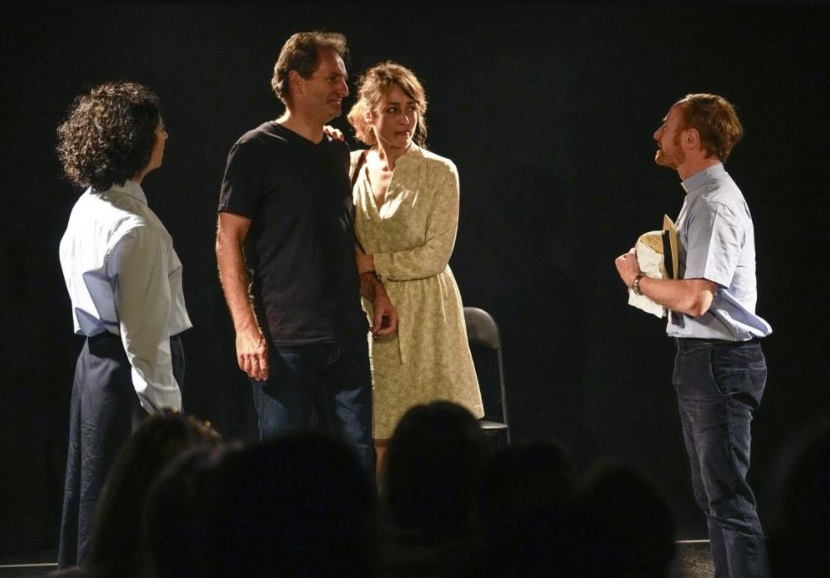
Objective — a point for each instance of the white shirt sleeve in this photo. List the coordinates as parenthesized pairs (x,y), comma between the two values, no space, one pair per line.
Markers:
(139,266)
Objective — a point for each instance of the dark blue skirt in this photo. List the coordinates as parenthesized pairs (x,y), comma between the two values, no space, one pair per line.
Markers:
(104,412)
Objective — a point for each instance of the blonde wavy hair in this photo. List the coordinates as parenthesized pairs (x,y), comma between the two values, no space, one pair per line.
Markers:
(372,88)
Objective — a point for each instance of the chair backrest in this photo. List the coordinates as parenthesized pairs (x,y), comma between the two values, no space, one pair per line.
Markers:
(484,338)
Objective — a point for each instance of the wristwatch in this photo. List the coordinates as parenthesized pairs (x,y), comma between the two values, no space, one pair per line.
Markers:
(635,286)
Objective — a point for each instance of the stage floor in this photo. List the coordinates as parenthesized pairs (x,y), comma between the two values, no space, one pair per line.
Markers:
(692,561)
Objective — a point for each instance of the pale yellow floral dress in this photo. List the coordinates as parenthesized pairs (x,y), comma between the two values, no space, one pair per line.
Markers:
(412,236)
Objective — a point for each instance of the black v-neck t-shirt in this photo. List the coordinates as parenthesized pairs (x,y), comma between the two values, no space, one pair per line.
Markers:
(300,247)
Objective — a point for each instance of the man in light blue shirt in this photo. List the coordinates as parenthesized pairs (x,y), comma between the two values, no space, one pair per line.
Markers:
(720,370)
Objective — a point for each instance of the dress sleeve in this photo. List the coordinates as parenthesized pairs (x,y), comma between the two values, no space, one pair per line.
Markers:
(440,184)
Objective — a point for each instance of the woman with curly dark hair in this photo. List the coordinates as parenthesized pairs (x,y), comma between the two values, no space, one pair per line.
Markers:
(125,285)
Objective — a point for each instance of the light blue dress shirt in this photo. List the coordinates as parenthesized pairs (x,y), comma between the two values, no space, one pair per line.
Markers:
(717,242)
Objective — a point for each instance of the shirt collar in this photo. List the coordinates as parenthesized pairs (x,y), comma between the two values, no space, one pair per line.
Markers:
(703,176)
(414,152)
(130,188)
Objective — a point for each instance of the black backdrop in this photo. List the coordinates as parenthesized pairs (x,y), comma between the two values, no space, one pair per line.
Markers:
(548,113)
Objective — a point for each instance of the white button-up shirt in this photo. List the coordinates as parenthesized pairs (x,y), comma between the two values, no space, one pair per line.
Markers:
(123,276)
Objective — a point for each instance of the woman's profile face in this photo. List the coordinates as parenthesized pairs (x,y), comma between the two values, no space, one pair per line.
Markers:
(158,148)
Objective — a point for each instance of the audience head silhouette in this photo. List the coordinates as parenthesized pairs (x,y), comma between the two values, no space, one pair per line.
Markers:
(520,479)
(433,464)
(115,544)
(798,538)
(176,515)
(611,523)
(297,505)
(627,524)
(428,492)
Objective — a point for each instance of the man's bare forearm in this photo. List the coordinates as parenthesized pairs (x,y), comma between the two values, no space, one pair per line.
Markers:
(235,283)
(371,286)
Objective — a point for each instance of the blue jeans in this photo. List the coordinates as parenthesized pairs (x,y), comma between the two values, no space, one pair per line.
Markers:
(327,382)
(719,385)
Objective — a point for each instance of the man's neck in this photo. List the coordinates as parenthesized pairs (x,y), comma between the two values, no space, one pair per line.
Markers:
(306,128)
(695,166)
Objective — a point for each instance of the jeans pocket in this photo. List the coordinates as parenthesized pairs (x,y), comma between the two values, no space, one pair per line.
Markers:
(740,371)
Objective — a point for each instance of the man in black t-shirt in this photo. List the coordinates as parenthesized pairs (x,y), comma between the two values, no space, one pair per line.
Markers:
(285,248)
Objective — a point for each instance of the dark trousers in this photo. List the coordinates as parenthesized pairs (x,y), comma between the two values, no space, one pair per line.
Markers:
(326,385)
(719,386)
(104,412)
